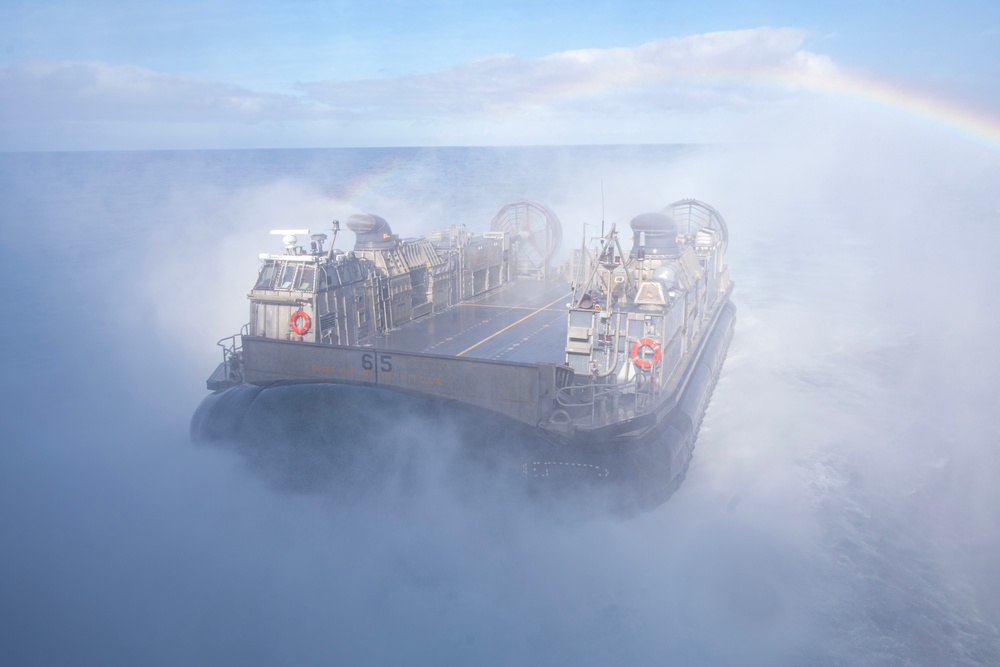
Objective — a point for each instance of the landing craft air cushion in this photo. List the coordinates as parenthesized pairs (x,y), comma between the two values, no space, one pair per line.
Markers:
(597,373)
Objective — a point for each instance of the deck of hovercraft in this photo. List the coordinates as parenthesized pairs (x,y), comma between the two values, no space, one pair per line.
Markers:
(525,321)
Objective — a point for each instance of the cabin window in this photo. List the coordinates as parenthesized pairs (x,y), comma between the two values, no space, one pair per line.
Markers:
(287,277)
(266,278)
(306,278)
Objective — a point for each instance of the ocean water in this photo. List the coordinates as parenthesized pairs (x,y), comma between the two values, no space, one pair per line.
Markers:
(841,507)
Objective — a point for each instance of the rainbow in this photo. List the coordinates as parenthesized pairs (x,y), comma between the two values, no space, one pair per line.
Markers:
(975,124)
(818,76)
(370,181)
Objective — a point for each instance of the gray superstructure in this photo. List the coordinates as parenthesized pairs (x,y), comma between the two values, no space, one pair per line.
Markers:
(608,357)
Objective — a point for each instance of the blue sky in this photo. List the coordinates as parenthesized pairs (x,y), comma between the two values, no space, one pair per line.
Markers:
(92,75)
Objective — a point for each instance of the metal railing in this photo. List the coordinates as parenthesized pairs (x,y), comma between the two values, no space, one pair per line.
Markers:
(593,404)
(232,354)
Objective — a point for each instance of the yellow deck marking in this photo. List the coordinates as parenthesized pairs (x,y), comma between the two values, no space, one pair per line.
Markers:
(509,326)
(469,304)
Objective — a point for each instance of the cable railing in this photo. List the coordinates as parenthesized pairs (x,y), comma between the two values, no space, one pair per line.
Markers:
(593,404)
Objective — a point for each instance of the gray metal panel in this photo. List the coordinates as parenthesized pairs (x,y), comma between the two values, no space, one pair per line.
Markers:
(511,389)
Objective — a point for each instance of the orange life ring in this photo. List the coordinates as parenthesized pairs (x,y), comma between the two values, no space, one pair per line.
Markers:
(300,329)
(638,360)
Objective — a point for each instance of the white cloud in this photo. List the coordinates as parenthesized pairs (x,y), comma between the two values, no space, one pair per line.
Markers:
(664,75)
(578,96)
(95,91)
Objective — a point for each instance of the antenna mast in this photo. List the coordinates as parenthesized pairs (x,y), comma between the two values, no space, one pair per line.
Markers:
(602,208)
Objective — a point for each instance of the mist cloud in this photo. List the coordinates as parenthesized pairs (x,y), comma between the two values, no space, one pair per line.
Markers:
(841,506)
